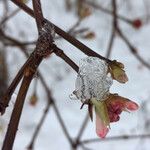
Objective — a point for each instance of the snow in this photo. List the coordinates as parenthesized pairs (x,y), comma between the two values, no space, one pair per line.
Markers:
(61,79)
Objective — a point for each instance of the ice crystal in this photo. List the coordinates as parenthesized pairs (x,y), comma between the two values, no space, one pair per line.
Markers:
(92,80)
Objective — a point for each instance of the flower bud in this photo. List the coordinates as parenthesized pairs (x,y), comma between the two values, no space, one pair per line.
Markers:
(117,72)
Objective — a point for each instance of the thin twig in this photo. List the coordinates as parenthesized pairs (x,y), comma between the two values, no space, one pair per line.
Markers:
(83,126)
(115,138)
(133,50)
(109,12)
(9,16)
(38,14)
(114,27)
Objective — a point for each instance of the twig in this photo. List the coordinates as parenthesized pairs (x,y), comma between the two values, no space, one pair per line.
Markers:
(99,7)
(133,49)
(83,126)
(38,14)
(9,16)
(44,44)
(62,55)
(114,27)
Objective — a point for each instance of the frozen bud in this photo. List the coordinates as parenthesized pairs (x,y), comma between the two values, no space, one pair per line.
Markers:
(117,72)
(92,80)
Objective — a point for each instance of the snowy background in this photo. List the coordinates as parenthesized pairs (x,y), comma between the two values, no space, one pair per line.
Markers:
(61,78)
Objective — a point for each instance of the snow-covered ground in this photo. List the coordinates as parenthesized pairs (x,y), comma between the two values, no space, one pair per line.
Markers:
(51,136)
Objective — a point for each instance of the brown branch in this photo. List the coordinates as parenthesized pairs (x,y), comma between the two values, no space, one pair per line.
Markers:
(86,50)
(6,98)
(45,112)
(38,14)
(16,114)
(43,48)
(80,133)
(63,56)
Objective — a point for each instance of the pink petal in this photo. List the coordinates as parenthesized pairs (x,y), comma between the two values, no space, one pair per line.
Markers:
(101,129)
(113,117)
(131,105)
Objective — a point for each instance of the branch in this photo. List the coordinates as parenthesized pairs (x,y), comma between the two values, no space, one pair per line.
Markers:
(86,50)
(43,48)
(16,114)
(38,14)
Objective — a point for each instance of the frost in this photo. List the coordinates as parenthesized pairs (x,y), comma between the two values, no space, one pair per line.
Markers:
(92,80)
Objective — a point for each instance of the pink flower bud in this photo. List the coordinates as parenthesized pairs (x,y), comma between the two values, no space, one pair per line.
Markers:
(130,105)
(117,72)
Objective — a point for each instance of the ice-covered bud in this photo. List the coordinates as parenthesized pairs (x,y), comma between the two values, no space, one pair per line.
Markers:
(92,88)
(117,72)
(92,80)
